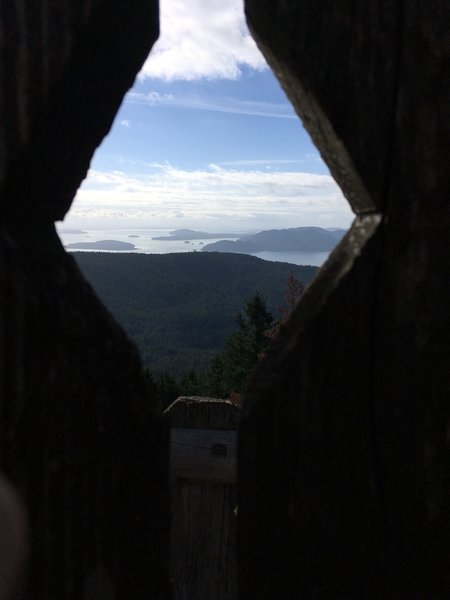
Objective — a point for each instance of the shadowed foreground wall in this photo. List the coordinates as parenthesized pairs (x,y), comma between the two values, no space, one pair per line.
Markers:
(344,461)
(344,446)
(80,439)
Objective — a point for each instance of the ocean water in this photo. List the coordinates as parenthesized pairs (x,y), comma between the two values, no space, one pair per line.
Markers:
(144,244)
(314,259)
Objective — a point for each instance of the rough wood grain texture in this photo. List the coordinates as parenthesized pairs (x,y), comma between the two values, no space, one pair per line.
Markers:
(344,463)
(205,413)
(348,56)
(203,540)
(203,454)
(79,437)
(64,69)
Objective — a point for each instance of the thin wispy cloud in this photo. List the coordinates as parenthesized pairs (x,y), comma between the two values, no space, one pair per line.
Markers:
(202,39)
(125,123)
(227,105)
(260,162)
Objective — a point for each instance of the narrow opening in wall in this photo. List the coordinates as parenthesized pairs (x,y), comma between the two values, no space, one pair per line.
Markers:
(206,201)
(206,154)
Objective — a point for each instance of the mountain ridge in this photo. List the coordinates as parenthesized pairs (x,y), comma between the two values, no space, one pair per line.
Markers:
(300,239)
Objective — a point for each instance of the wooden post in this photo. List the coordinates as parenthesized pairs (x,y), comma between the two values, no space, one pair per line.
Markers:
(203,473)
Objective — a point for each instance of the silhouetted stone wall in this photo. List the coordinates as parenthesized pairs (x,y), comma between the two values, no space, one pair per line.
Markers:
(80,439)
(344,454)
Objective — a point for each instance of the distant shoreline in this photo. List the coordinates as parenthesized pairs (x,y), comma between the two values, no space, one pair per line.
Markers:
(192,234)
(102,245)
(72,231)
(270,245)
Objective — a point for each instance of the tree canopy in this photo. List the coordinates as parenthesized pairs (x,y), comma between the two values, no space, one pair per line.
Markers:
(230,370)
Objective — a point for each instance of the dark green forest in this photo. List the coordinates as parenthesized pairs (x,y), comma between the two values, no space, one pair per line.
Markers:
(181,308)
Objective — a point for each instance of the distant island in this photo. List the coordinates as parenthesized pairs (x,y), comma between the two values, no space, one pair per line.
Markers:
(299,239)
(74,231)
(102,245)
(192,234)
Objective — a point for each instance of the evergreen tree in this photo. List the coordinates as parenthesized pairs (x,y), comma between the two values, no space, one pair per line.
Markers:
(192,384)
(167,389)
(215,378)
(151,386)
(231,369)
(293,293)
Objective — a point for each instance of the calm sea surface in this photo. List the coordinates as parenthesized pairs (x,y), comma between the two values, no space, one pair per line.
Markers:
(144,244)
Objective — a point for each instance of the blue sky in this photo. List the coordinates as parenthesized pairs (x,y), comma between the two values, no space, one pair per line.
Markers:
(207,139)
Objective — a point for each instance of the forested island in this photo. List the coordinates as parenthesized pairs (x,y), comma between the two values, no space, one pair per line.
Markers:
(299,239)
(180,308)
(102,245)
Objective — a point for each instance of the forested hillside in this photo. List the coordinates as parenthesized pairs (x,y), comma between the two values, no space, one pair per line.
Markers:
(180,308)
(306,239)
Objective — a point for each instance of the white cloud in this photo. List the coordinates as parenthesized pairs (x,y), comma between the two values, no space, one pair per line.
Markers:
(225,105)
(125,123)
(260,162)
(213,197)
(202,39)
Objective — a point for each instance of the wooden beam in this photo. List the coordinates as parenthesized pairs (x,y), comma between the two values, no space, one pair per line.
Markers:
(203,440)
(203,454)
